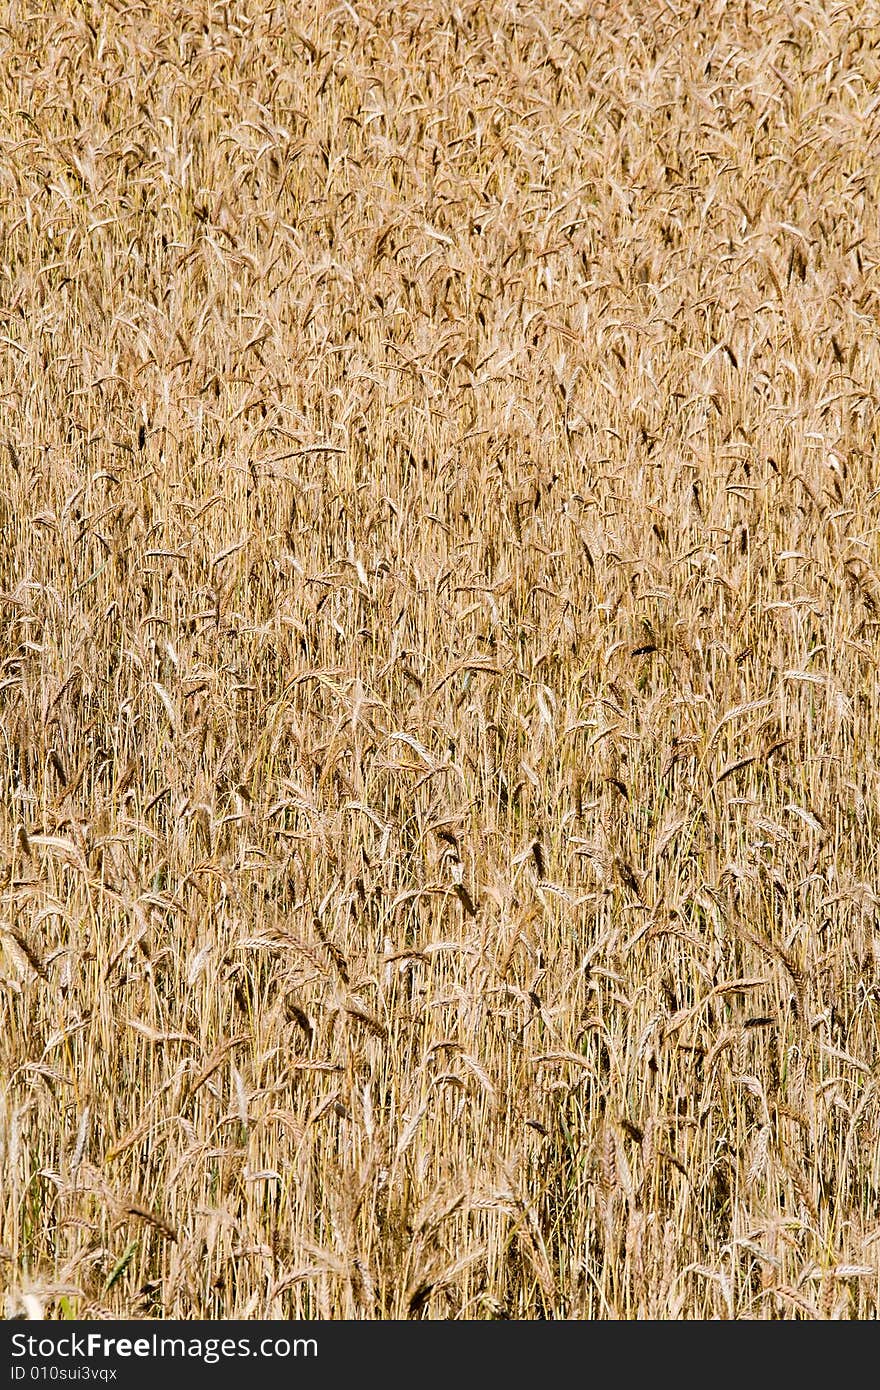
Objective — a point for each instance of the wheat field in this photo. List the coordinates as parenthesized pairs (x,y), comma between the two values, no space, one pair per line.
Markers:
(439,611)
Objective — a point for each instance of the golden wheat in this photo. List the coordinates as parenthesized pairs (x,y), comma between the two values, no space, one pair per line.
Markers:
(439,600)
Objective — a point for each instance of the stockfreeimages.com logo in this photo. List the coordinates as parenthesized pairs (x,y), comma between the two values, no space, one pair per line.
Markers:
(210,1350)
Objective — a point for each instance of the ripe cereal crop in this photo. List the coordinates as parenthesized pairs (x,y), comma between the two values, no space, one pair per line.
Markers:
(439,689)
